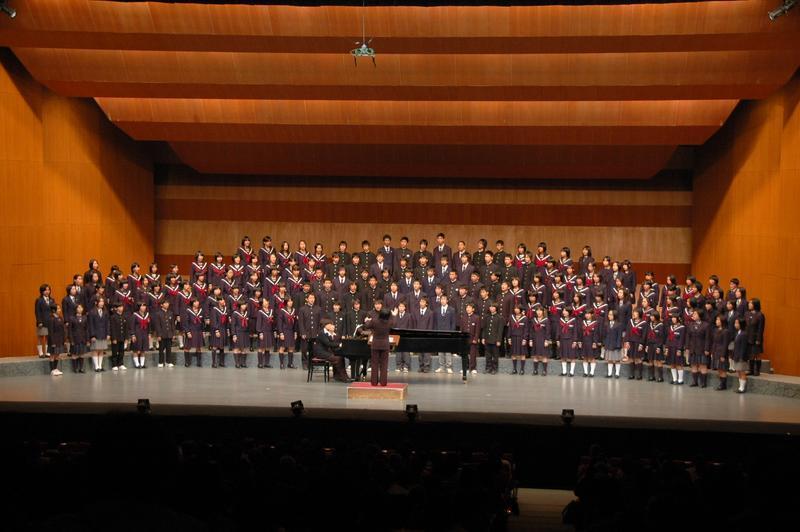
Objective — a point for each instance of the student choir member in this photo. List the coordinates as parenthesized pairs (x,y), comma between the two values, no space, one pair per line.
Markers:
(327,342)
(470,323)
(56,338)
(654,348)
(698,346)
(164,332)
(240,335)
(754,327)
(635,342)
(220,330)
(308,327)
(613,336)
(741,353)
(265,327)
(589,339)
(518,339)
(43,315)
(720,339)
(567,341)
(491,338)
(193,323)
(79,338)
(140,329)
(287,333)
(403,320)
(445,320)
(424,320)
(540,340)
(674,346)
(99,333)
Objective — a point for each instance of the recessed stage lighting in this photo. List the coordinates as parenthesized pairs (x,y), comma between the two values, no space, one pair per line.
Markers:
(567,416)
(7,9)
(782,9)
(143,406)
(412,411)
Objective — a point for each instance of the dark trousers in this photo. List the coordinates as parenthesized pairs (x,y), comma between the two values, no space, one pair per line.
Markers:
(165,351)
(492,356)
(380,366)
(117,353)
(473,356)
(306,350)
(337,363)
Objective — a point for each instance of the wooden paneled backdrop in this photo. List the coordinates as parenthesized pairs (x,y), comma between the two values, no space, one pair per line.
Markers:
(73,187)
(745,196)
(648,223)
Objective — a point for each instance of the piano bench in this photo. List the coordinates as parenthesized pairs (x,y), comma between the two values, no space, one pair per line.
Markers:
(318,362)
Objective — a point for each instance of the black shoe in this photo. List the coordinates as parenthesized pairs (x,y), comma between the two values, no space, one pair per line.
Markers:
(693,385)
(522,372)
(260,366)
(563,374)
(214,365)
(544,373)
(591,375)
(291,366)
(187,364)
(660,379)
(514,372)
(739,391)
(650,379)
(608,376)
(283,366)
(586,375)
(631,377)
(268,366)
(535,371)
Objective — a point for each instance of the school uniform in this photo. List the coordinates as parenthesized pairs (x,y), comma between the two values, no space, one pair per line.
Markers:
(265,326)
(589,340)
(445,320)
(193,323)
(486,271)
(612,344)
(675,343)
(57,336)
(698,342)
(635,337)
(554,315)
(99,329)
(471,324)
(140,328)
(119,330)
(220,329)
(518,334)
(403,358)
(441,251)
(245,253)
(540,263)
(79,340)
(240,337)
(287,326)
(540,338)
(720,338)
(492,335)
(308,328)
(566,335)
(124,298)
(164,329)
(155,279)
(424,320)
(154,301)
(464,272)
(216,273)
(198,269)
(68,308)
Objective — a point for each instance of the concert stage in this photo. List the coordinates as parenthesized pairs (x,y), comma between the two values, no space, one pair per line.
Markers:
(502,398)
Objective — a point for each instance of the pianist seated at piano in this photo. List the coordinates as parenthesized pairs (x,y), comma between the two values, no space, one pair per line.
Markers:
(379,327)
(328,342)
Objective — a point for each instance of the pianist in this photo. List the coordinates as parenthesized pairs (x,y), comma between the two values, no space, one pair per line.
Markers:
(379,360)
(324,347)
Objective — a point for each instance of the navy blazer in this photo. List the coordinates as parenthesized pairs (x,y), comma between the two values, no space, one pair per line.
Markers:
(446,322)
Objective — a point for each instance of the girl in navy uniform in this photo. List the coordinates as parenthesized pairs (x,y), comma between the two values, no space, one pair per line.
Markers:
(153,275)
(237,267)
(319,255)
(622,305)
(79,338)
(654,348)
(220,329)
(635,343)
(253,268)
(740,354)
(566,341)
(135,277)
(140,329)
(578,307)
(42,311)
(55,339)
(600,307)
(245,250)
(698,346)
(674,345)
(154,299)
(541,259)
(628,276)
(193,324)
(254,301)
(287,333)
(94,267)
(284,254)
(554,313)
(538,287)
(302,254)
(613,337)
(565,260)
(518,339)
(265,327)
(99,333)
(720,338)
(540,340)
(754,327)
(240,335)
(217,269)
(585,260)
(199,266)
(589,339)
(266,251)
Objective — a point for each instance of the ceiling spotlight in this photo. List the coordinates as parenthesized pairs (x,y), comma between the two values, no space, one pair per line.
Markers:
(782,10)
(7,9)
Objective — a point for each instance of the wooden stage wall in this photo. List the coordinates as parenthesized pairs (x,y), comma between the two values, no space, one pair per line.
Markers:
(73,187)
(745,195)
(647,223)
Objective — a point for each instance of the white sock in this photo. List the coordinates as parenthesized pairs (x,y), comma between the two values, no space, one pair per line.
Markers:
(39,349)
(585,368)
(141,360)
(742,383)
(563,367)
(674,373)
(680,375)
(610,368)
(572,368)
(592,366)
(618,367)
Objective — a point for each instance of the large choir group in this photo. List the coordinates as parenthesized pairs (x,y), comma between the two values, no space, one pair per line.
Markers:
(525,304)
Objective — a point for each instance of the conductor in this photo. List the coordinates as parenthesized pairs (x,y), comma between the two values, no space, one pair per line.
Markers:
(324,347)
(379,359)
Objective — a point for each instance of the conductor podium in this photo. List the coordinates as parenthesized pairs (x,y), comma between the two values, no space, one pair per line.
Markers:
(363,390)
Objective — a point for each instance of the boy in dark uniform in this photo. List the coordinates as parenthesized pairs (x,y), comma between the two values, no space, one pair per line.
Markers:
(492,338)
(470,323)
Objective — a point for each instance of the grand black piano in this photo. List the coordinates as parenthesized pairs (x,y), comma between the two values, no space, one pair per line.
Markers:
(413,341)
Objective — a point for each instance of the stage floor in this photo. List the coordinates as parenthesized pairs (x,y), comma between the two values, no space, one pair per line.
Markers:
(495,398)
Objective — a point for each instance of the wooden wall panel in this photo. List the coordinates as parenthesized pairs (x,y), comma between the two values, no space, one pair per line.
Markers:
(73,187)
(745,199)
